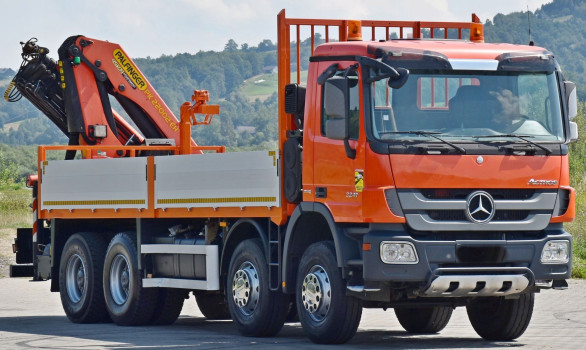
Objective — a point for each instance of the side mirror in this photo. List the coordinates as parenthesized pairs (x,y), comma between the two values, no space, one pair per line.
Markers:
(381,70)
(571,99)
(398,81)
(573,131)
(336,96)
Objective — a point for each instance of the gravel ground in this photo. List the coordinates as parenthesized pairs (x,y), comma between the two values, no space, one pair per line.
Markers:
(7,236)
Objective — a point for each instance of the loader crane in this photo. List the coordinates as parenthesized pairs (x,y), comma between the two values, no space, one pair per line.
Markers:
(74,93)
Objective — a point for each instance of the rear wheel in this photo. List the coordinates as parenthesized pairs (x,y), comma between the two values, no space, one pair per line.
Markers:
(256,310)
(425,320)
(500,318)
(327,315)
(212,305)
(80,278)
(128,303)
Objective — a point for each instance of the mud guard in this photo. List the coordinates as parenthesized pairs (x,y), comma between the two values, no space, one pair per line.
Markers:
(345,246)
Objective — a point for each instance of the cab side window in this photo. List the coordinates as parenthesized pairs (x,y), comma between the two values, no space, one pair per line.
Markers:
(354,107)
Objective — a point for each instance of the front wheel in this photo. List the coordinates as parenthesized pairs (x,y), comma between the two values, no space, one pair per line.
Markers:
(327,315)
(424,320)
(256,310)
(500,318)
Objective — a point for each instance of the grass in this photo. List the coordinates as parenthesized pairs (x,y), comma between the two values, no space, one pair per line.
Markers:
(578,231)
(264,85)
(578,181)
(14,212)
(260,86)
(576,228)
(14,206)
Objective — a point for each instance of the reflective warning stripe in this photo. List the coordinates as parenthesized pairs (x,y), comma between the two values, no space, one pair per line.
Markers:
(97,202)
(217,200)
(35,219)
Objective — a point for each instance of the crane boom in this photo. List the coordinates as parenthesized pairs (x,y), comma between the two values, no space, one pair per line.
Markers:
(75,92)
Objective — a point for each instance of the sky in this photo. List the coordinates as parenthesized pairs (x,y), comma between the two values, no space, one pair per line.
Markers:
(156,27)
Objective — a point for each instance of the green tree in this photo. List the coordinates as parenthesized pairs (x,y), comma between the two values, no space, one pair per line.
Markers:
(231,46)
(266,45)
(8,172)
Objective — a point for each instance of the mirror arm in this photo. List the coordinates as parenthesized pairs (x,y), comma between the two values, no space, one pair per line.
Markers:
(350,152)
(328,73)
(347,70)
(377,78)
(367,61)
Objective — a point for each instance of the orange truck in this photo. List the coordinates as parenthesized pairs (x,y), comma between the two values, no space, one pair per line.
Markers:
(413,172)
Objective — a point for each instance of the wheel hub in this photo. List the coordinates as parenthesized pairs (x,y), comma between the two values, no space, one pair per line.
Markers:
(245,288)
(81,278)
(119,279)
(316,293)
(75,278)
(125,280)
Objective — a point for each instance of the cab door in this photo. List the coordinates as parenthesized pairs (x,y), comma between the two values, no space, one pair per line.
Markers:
(339,177)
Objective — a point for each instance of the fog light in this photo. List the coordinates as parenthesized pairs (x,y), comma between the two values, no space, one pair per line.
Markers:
(398,253)
(556,252)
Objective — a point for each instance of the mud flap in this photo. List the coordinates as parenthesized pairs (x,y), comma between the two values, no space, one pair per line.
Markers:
(23,248)
(25,270)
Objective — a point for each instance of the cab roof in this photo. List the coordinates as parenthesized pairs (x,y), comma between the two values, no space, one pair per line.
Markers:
(452,49)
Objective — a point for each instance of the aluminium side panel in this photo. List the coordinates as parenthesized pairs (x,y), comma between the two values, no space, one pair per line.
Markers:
(239,179)
(112,183)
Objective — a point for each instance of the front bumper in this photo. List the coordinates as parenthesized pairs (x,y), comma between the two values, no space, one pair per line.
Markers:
(515,255)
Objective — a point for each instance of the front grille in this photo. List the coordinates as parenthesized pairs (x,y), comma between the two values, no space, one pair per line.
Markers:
(505,194)
(460,215)
(447,215)
(444,210)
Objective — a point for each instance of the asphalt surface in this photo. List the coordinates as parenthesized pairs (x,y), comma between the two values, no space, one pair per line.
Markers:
(32,317)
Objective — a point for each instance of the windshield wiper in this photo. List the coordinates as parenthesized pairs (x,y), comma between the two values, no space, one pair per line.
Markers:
(522,137)
(427,133)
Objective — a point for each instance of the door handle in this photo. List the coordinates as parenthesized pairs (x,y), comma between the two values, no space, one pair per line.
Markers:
(321,192)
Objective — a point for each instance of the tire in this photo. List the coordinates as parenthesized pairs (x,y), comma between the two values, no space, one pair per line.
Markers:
(80,278)
(501,319)
(212,305)
(426,320)
(168,306)
(327,315)
(128,303)
(255,310)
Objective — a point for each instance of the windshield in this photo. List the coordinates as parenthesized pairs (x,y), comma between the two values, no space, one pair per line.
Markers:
(468,105)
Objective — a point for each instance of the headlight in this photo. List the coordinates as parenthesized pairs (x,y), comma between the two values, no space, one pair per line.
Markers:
(398,253)
(556,252)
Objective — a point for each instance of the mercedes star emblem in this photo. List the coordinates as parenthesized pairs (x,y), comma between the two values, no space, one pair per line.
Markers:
(480,207)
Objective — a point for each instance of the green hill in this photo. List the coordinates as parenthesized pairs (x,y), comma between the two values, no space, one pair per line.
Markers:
(264,85)
(260,86)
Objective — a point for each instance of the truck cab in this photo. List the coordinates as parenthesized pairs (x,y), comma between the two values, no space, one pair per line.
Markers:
(444,166)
